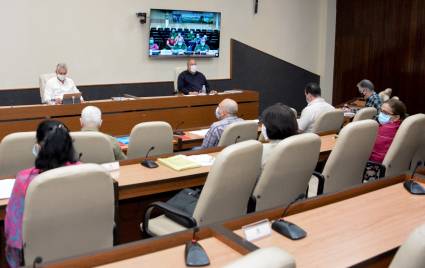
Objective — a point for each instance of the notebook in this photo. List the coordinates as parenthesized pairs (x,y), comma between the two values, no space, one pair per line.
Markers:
(178,162)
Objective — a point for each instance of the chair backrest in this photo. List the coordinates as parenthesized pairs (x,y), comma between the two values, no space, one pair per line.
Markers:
(404,145)
(365,113)
(229,183)
(145,135)
(287,171)
(411,253)
(94,147)
(42,80)
(177,72)
(347,161)
(329,121)
(271,257)
(16,153)
(239,131)
(68,211)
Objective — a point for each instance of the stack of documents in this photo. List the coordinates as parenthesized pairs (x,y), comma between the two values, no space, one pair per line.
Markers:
(6,187)
(179,162)
(200,133)
(204,160)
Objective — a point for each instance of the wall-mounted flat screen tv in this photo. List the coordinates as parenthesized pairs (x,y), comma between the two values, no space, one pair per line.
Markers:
(181,33)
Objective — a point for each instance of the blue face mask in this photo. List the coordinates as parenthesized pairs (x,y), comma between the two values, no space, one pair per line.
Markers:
(384,118)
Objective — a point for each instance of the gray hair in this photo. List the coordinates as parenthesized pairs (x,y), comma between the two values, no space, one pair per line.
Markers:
(229,106)
(91,115)
(61,66)
(366,84)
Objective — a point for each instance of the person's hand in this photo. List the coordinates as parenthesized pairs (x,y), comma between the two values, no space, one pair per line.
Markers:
(213,92)
(193,93)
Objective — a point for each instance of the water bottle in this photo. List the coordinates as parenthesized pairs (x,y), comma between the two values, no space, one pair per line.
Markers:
(204,89)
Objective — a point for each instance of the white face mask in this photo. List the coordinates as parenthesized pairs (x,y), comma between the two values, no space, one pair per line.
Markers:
(61,77)
(193,68)
(35,150)
(264,132)
(217,113)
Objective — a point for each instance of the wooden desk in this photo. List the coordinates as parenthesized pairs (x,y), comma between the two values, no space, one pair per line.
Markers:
(120,116)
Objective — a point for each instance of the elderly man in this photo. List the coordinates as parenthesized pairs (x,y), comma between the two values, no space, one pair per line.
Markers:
(57,86)
(315,107)
(226,113)
(367,90)
(91,120)
(192,81)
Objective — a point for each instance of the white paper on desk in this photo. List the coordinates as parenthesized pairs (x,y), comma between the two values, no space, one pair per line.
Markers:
(204,160)
(231,91)
(201,132)
(6,187)
(113,168)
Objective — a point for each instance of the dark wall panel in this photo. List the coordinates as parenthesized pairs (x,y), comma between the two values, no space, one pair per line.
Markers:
(382,40)
(275,79)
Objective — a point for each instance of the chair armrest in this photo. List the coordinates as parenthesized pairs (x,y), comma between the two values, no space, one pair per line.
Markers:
(321,184)
(165,208)
(382,168)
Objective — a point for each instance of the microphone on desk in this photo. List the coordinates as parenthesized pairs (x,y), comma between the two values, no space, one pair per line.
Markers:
(412,186)
(149,163)
(38,260)
(194,253)
(237,138)
(287,228)
(177,131)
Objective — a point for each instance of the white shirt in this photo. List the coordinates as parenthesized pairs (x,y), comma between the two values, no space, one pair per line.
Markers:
(311,113)
(55,88)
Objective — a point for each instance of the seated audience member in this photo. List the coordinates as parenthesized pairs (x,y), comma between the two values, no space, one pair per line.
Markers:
(171,42)
(152,44)
(57,86)
(392,113)
(91,120)
(226,113)
(180,46)
(367,90)
(315,107)
(191,80)
(202,47)
(279,122)
(53,149)
(190,35)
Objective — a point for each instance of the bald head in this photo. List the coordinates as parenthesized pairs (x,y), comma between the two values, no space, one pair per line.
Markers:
(91,117)
(228,107)
(190,62)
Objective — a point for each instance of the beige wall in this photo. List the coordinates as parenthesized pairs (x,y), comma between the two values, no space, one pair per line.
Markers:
(103,42)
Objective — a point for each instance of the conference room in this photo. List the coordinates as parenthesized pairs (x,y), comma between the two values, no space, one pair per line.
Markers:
(280,133)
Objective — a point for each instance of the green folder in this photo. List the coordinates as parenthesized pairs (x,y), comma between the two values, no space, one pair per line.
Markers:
(178,162)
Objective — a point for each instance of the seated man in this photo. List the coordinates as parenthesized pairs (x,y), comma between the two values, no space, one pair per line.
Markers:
(180,47)
(202,47)
(316,106)
(226,112)
(191,81)
(367,90)
(57,86)
(91,120)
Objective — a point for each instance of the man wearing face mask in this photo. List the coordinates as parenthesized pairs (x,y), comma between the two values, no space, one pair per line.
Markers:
(226,113)
(202,47)
(315,107)
(367,90)
(57,86)
(191,81)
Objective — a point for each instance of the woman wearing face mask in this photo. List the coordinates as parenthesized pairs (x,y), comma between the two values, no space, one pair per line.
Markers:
(390,117)
(54,149)
(279,122)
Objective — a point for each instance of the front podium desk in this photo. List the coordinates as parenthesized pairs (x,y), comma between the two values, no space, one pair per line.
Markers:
(119,117)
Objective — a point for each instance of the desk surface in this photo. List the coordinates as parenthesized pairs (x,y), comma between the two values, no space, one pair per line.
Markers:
(219,253)
(354,230)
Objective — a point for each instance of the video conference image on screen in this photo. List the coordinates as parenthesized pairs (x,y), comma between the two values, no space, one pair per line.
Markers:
(179,33)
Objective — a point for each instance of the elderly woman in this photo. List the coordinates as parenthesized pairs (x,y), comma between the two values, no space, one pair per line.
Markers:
(53,149)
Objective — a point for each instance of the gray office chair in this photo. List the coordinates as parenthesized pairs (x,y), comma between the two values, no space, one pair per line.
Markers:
(16,153)
(239,131)
(68,211)
(271,257)
(225,194)
(347,161)
(144,136)
(329,121)
(411,253)
(287,171)
(365,113)
(404,146)
(94,147)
